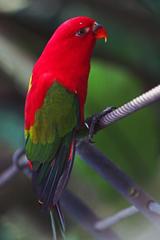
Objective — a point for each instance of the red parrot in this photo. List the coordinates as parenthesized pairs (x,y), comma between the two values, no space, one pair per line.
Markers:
(54,107)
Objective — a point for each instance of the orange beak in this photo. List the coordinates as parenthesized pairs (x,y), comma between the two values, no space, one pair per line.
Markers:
(100,32)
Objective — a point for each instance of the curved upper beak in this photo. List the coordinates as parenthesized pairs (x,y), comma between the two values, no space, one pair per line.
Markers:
(100,31)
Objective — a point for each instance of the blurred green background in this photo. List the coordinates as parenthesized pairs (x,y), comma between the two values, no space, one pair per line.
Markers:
(128,65)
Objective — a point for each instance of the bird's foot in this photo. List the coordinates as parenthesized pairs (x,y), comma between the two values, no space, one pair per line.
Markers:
(95,119)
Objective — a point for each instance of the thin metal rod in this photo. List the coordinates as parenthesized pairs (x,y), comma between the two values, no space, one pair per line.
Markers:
(8,174)
(109,221)
(19,162)
(119,180)
(82,214)
(130,107)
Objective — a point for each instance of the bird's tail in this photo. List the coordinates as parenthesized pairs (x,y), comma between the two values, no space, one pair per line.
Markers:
(57,223)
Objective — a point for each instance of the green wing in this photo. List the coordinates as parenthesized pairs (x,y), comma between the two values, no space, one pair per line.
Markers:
(57,117)
(50,143)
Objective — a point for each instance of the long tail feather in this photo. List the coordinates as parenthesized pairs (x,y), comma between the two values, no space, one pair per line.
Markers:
(57,222)
(54,235)
(60,216)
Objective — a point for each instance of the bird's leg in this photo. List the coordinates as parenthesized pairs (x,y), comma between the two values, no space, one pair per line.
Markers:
(92,121)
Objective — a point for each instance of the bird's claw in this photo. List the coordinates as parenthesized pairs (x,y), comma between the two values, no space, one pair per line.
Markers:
(96,118)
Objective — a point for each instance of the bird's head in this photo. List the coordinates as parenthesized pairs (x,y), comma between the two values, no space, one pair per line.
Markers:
(70,48)
(80,29)
(77,37)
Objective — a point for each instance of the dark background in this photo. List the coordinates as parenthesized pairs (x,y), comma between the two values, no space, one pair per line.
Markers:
(125,67)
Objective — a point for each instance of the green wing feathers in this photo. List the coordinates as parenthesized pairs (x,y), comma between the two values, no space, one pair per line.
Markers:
(56,118)
(50,140)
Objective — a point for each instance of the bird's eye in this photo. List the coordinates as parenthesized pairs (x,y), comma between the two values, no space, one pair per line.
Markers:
(82,32)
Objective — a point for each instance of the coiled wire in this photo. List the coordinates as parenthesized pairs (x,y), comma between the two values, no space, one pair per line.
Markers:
(132,106)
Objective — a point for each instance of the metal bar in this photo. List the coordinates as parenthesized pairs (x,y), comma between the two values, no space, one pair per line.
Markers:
(85,217)
(119,180)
